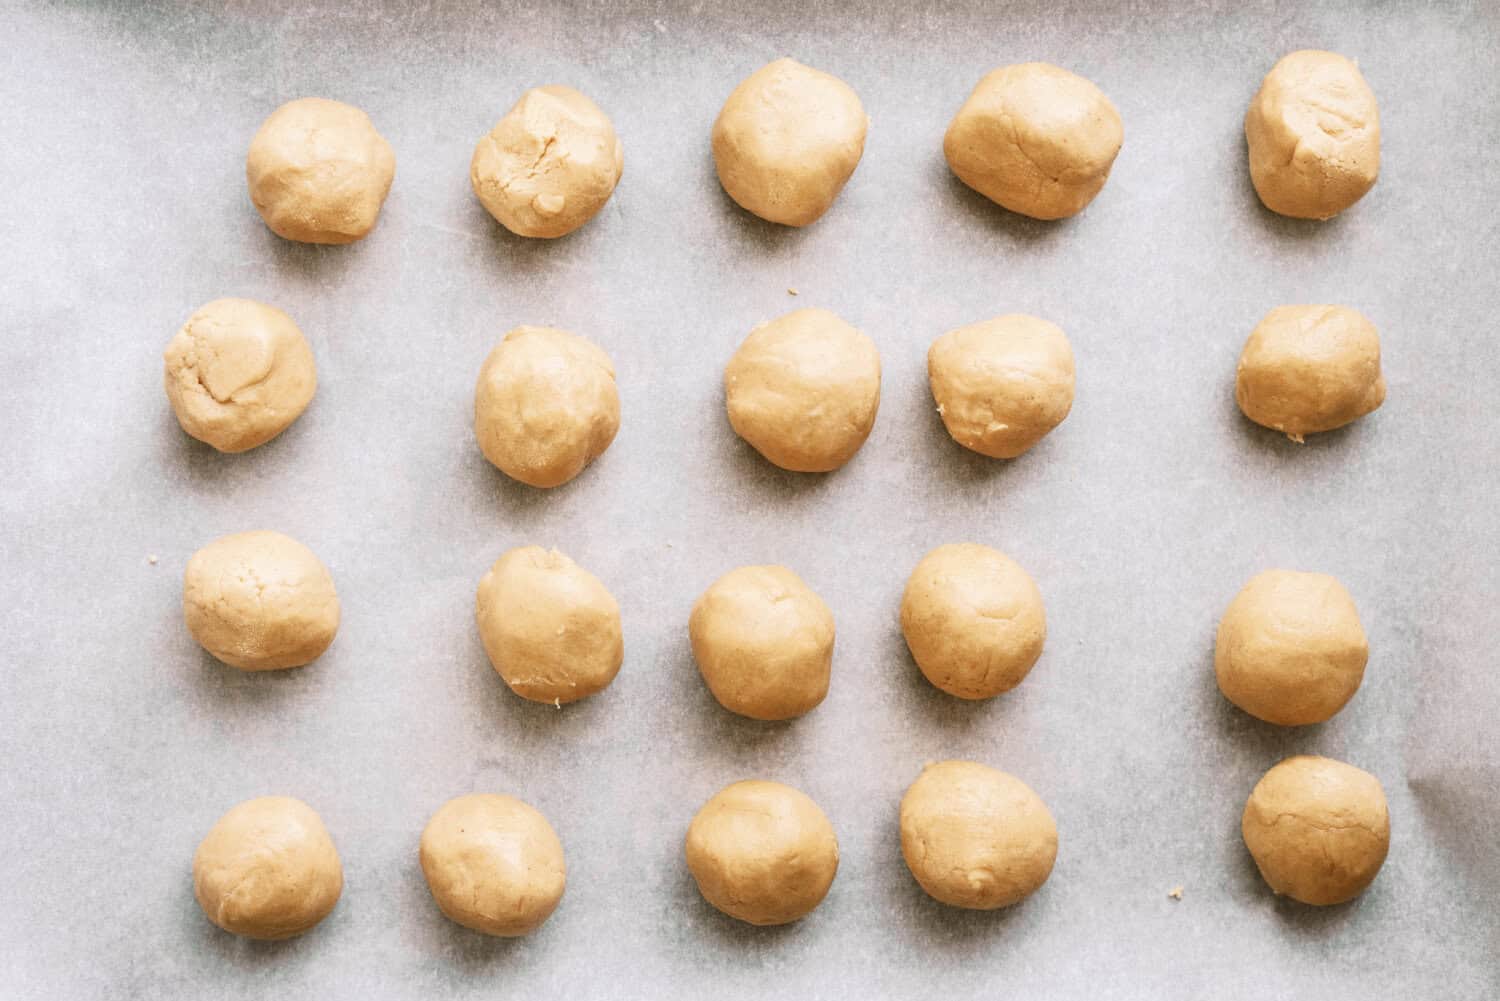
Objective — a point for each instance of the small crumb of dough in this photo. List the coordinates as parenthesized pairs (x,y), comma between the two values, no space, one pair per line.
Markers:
(152,559)
(1306,369)
(1175,893)
(791,291)
(493,864)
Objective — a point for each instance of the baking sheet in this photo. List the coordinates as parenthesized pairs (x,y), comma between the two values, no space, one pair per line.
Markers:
(122,135)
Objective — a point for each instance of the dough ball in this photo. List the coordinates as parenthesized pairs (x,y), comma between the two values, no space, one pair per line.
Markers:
(549,165)
(260,601)
(803,390)
(268,869)
(238,373)
(973,620)
(976,837)
(546,405)
(1318,829)
(787,140)
(1314,136)
(319,172)
(1035,139)
(764,642)
(1002,384)
(493,864)
(1310,368)
(762,852)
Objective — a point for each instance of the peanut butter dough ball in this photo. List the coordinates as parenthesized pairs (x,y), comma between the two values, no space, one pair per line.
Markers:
(1035,139)
(1310,368)
(550,628)
(493,864)
(1318,829)
(763,642)
(319,172)
(260,601)
(1314,136)
(545,406)
(762,852)
(787,140)
(268,869)
(549,165)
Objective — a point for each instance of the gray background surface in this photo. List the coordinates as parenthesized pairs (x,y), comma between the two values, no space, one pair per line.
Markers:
(122,136)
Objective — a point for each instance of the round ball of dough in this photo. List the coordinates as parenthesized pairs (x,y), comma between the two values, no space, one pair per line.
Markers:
(549,165)
(762,852)
(319,172)
(973,620)
(1035,139)
(976,837)
(545,406)
(1310,368)
(787,140)
(1001,385)
(1314,136)
(238,373)
(493,864)
(803,390)
(260,601)
(268,869)
(1318,829)
(763,642)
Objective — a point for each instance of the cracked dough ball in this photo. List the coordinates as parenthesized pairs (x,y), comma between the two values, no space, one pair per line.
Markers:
(493,864)
(238,373)
(550,628)
(546,405)
(976,837)
(549,165)
(762,852)
(803,390)
(319,172)
(1035,139)
(787,140)
(268,869)
(973,620)
(1314,136)
(260,601)
(1306,369)
(1001,385)
(1318,829)
(763,642)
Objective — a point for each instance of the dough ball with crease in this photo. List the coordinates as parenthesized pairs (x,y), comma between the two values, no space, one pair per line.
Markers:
(1306,369)
(493,864)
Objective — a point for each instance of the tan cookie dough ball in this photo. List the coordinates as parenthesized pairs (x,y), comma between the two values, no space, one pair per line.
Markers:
(319,172)
(545,406)
(1318,829)
(762,852)
(763,642)
(1310,368)
(493,864)
(549,165)
(260,601)
(1314,136)
(268,869)
(787,140)
(803,390)
(1035,139)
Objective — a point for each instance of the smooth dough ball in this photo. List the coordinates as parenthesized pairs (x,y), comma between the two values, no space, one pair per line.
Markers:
(260,601)
(268,869)
(545,406)
(319,172)
(1001,385)
(549,165)
(803,390)
(787,140)
(1318,829)
(762,852)
(1035,139)
(763,642)
(493,864)
(1314,136)
(1310,368)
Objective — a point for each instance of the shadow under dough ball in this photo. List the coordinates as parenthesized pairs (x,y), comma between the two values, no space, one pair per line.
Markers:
(1306,369)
